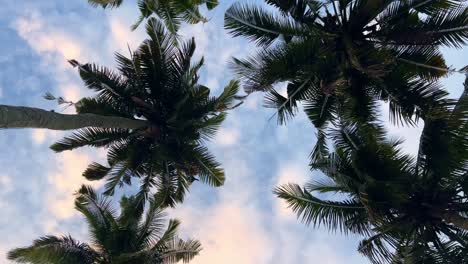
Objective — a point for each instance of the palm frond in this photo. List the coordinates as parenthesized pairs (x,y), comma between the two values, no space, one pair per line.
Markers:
(105,3)
(98,212)
(259,25)
(94,137)
(168,235)
(96,171)
(151,228)
(178,249)
(331,214)
(52,249)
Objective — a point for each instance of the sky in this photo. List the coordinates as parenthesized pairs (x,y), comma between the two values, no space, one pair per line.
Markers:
(241,222)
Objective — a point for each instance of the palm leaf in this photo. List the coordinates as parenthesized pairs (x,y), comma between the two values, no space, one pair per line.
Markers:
(333,215)
(178,249)
(51,249)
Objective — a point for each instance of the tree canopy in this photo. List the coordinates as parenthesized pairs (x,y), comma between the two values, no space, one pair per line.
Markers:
(133,237)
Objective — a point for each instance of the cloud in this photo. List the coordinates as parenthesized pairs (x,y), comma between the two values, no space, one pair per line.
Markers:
(230,233)
(121,36)
(64,180)
(6,184)
(227,137)
(53,44)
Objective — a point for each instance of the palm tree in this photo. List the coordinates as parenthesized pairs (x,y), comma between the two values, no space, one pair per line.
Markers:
(171,12)
(392,199)
(151,115)
(125,239)
(340,57)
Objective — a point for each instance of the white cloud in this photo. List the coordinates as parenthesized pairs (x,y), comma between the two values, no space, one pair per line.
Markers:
(6,184)
(121,36)
(64,180)
(3,255)
(227,137)
(230,233)
(53,44)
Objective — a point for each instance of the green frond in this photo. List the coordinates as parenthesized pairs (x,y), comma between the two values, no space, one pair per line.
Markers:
(91,136)
(117,176)
(324,187)
(227,99)
(98,212)
(375,248)
(131,213)
(105,3)
(209,126)
(96,106)
(166,12)
(410,98)
(209,170)
(285,108)
(259,25)
(422,55)
(96,171)
(320,149)
(320,107)
(283,62)
(171,186)
(179,250)
(153,225)
(55,250)
(331,214)
(449,27)
(168,235)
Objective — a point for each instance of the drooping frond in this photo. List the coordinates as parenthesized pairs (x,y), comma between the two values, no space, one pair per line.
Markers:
(209,170)
(98,212)
(258,25)
(56,250)
(94,137)
(331,214)
(178,249)
(105,3)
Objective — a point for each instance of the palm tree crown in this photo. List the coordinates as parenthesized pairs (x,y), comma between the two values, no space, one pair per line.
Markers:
(159,84)
(125,239)
(415,206)
(340,57)
(171,12)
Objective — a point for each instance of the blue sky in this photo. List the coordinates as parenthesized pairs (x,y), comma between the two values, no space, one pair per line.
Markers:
(241,222)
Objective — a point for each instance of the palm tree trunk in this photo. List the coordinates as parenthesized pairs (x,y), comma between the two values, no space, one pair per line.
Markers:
(456,219)
(29,117)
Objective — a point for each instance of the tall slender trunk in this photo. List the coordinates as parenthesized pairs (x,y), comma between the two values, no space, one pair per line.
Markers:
(30,117)
(456,219)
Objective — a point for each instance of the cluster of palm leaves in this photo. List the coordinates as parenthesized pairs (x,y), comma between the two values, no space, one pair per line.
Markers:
(159,84)
(128,238)
(340,59)
(171,12)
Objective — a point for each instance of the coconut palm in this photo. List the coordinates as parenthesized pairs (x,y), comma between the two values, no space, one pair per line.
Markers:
(339,58)
(151,115)
(389,197)
(171,12)
(127,239)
